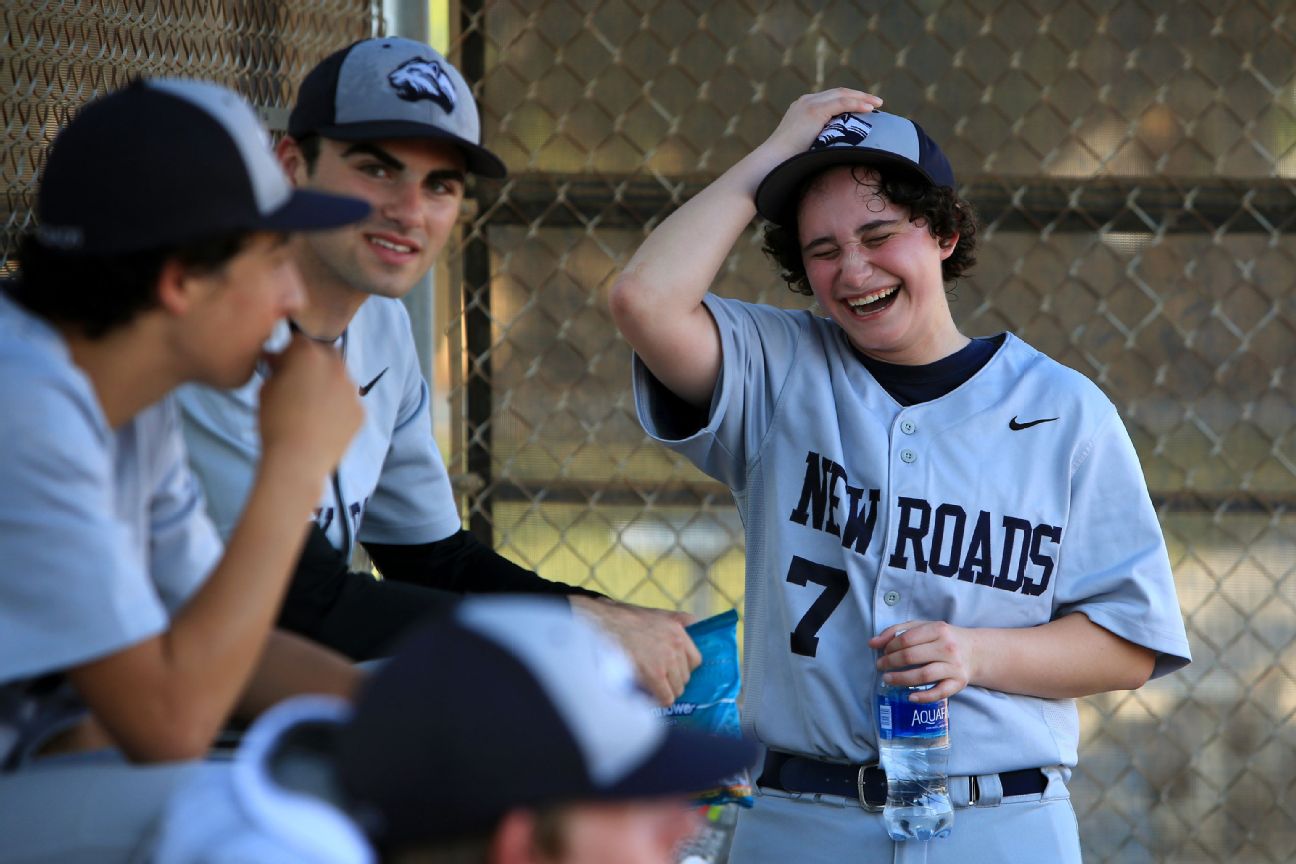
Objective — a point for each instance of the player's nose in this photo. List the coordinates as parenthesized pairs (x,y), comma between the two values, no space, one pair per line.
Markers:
(856,268)
(403,204)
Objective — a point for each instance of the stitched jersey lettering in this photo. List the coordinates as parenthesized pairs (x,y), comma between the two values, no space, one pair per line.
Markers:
(1007,552)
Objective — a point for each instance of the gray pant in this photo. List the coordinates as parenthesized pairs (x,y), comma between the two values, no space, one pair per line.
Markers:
(784,827)
(92,807)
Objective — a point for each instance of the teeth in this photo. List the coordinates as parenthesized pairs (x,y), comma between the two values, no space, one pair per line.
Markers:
(387,244)
(860,302)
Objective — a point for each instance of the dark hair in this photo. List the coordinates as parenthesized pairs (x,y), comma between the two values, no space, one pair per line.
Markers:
(945,213)
(310,150)
(98,293)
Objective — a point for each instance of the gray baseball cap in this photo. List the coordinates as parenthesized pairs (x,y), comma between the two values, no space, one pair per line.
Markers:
(875,138)
(390,87)
(512,701)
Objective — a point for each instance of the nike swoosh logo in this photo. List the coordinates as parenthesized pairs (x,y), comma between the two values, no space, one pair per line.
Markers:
(1017,427)
(366,388)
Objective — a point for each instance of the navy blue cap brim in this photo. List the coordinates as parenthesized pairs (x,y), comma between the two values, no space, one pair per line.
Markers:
(478,159)
(688,762)
(313,211)
(776,193)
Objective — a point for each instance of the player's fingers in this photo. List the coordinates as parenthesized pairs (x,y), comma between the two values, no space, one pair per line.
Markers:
(664,693)
(944,689)
(916,677)
(658,685)
(880,640)
(692,656)
(684,618)
(894,638)
(679,681)
(846,95)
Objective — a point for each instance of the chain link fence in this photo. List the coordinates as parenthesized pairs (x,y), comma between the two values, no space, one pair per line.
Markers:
(1132,163)
(57,54)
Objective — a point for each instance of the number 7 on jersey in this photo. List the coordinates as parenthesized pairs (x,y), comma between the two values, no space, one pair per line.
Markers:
(805,639)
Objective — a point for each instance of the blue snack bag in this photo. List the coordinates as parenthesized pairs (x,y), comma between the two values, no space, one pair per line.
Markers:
(709,702)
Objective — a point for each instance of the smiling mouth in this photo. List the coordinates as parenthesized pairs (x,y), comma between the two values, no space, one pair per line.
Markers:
(401,248)
(875,302)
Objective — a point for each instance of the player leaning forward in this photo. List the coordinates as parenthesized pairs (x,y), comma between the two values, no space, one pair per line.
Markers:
(128,635)
(894,474)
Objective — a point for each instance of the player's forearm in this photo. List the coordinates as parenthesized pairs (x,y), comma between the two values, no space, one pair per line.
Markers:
(291,665)
(674,267)
(217,639)
(657,301)
(1066,658)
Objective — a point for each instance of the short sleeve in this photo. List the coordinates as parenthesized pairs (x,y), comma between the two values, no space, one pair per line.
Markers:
(74,587)
(223,444)
(1115,568)
(184,546)
(413,501)
(759,346)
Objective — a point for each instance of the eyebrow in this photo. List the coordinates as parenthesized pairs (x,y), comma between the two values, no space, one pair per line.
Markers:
(368,149)
(444,174)
(866,228)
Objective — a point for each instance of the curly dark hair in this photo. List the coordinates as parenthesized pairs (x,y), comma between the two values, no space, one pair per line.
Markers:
(99,293)
(945,213)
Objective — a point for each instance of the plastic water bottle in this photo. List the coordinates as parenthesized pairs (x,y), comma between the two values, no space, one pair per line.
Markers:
(913,742)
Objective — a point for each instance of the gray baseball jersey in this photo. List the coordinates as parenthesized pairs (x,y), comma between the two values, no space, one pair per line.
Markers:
(391,485)
(103,533)
(1009,502)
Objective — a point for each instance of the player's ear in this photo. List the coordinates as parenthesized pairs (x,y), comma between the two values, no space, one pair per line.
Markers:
(946,245)
(177,287)
(292,160)
(514,841)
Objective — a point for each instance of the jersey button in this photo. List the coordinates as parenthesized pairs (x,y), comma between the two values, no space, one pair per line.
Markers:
(891,598)
(908,427)
(908,456)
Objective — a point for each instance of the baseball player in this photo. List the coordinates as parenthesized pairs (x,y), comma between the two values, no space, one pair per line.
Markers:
(127,634)
(390,121)
(893,475)
(569,763)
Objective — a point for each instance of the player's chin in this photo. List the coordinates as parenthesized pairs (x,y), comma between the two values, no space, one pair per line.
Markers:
(392,285)
(235,375)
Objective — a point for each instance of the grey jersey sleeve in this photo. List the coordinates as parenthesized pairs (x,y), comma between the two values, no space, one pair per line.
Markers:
(413,501)
(223,442)
(183,544)
(759,346)
(1115,569)
(74,587)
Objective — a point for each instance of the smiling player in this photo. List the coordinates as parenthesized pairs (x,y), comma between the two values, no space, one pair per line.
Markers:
(389,121)
(893,475)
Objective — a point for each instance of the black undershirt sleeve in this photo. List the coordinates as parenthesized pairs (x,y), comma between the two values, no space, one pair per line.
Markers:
(349,610)
(462,564)
(363,617)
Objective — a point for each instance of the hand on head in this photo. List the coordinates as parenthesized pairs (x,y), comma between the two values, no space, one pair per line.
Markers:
(807,116)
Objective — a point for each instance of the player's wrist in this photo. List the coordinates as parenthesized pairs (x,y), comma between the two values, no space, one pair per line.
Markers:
(293,472)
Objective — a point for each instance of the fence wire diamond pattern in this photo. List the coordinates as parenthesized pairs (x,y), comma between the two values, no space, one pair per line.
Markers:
(1132,163)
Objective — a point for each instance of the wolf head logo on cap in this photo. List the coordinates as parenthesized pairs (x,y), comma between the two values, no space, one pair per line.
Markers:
(420,78)
(848,129)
